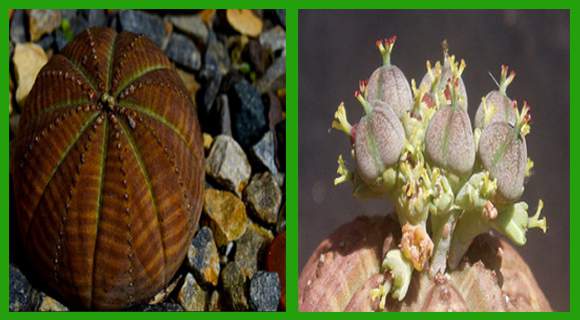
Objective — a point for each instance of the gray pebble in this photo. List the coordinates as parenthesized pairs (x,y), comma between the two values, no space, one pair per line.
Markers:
(275,73)
(191,25)
(228,165)
(264,197)
(183,51)
(203,257)
(250,248)
(17,27)
(274,39)
(22,296)
(265,291)
(233,282)
(144,23)
(264,152)
(191,296)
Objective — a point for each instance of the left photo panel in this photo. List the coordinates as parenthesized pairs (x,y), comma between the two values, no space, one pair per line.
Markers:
(147,160)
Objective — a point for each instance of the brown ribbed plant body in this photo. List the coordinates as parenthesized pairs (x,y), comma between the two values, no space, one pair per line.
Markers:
(108,171)
(344,269)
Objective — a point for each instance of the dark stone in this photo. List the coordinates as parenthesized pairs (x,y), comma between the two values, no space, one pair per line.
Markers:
(222,110)
(258,56)
(216,65)
(248,114)
(18,27)
(183,51)
(264,152)
(275,71)
(46,41)
(233,282)
(22,296)
(140,22)
(281,145)
(233,77)
(281,14)
(275,112)
(95,18)
(78,24)
(60,39)
(250,248)
(161,307)
(216,59)
(68,14)
(203,258)
(265,291)
(209,93)
(113,21)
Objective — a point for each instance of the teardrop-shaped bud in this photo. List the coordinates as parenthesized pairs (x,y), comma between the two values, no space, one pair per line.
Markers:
(388,84)
(449,140)
(495,107)
(503,152)
(379,141)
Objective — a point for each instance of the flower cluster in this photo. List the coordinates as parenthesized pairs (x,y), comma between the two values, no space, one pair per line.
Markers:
(449,182)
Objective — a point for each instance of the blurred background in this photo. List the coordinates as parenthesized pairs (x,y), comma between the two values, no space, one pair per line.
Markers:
(337,49)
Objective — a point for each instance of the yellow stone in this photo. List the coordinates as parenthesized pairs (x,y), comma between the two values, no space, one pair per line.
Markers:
(51,305)
(227,214)
(207,141)
(28,59)
(42,22)
(245,22)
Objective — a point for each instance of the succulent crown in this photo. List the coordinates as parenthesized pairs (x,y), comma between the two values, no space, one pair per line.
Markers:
(448,182)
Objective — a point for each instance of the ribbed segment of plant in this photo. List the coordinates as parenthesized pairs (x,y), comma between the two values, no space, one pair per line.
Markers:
(108,171)
(448,183)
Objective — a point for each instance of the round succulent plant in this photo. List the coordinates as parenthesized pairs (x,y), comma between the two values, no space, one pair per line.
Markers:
(108,171)
(448,182)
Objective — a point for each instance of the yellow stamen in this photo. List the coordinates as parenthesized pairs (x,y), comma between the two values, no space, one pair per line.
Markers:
(340,121)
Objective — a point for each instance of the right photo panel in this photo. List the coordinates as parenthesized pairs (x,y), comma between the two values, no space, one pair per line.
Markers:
(434,170)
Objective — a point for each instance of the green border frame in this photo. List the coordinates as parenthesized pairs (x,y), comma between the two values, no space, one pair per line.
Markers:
(292,7)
